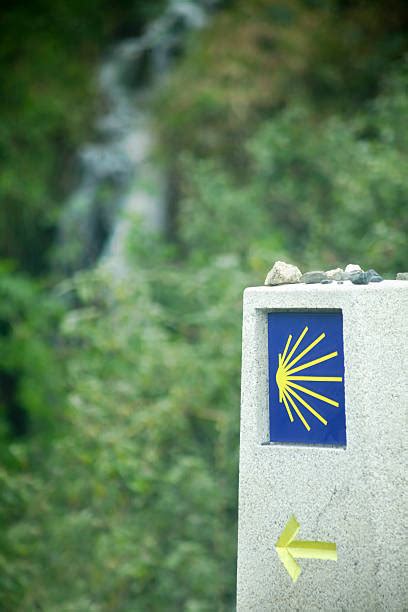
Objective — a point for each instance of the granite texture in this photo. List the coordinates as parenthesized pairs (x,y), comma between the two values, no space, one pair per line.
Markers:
(357,496)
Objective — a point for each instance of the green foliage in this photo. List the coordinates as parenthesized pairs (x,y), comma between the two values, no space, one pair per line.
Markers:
(30,376)
(146,517)
(32,407)
(17,488)
(324,196)
(258,57)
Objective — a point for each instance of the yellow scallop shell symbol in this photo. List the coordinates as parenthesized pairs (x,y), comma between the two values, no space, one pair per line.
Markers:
(287,375)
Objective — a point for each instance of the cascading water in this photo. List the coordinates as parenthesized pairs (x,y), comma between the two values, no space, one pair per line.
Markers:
(118,177)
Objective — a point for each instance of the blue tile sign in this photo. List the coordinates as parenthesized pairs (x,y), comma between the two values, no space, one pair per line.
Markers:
(306,378)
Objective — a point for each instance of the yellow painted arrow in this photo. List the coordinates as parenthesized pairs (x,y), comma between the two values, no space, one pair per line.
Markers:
(288,548)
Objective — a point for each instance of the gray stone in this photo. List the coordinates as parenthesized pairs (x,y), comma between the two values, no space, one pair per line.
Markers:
(354,496)
(316,276)
(335,274)
(283,274)
(359,278)
(402,276)
(326,281)
(352,268)
(373,276)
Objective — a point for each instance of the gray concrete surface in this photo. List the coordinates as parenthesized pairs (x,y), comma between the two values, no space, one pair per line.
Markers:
(354,496)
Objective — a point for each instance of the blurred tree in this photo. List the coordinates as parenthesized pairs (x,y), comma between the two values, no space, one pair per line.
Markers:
(30,379)
(48,55)
(260,57)
(136,508)
(284,132)
(317,190)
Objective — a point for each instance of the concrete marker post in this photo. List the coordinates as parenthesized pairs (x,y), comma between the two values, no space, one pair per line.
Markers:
(353,495)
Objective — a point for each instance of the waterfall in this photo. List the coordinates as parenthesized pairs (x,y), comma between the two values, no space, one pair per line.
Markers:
(118,177)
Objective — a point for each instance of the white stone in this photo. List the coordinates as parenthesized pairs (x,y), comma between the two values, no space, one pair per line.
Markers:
(335,274)
(354,496)
(352,268)
(283,274)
